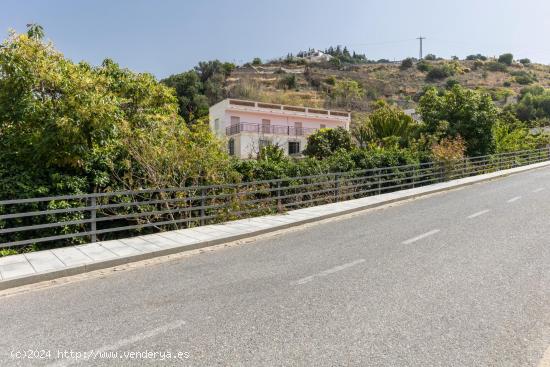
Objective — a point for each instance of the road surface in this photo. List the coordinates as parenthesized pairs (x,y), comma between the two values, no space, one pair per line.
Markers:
(460,278)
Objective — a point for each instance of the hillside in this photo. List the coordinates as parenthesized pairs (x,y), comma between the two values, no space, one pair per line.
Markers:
(312,83)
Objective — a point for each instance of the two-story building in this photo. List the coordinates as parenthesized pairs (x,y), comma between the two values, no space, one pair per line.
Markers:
(247,126)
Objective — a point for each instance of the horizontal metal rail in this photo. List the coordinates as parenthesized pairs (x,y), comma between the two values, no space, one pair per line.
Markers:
(103,216)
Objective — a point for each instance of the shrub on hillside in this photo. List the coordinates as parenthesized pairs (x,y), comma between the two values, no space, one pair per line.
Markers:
(406,64)
(506,59)
(476,57)
(525,62)
(423,66)
(496,66)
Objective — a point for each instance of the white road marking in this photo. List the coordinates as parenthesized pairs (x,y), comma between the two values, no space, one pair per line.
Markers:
(328,272)
(545,361)
(538,190)
(414,239)
(120,344)
(479,213)
(514,199)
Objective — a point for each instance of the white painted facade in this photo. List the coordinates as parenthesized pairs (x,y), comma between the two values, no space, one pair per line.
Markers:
(246,126)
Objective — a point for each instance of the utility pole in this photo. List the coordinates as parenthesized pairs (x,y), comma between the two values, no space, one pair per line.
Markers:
(421,38)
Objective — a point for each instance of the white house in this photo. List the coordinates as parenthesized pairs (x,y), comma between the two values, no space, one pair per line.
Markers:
(247,126)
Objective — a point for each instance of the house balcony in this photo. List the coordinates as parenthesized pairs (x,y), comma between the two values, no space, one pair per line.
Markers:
(268,129)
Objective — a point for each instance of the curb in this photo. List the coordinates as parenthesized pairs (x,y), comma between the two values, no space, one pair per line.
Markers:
(384,199)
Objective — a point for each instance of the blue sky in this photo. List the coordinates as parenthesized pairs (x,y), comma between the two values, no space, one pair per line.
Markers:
(165,37)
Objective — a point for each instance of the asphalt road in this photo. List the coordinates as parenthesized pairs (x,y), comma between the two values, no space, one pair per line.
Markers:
(456,279)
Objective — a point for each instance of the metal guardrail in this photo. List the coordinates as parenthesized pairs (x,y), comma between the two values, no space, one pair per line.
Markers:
(268,129)
(72,219)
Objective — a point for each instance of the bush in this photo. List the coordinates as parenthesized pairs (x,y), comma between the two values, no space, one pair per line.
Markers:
(287,81)
(525,62)
(439,72)
(257,61)
(506,59)
(324,142)
(451,83)
(523,77)
(476,57)
(406,64)
(423,66)
(430,57)
(496,66)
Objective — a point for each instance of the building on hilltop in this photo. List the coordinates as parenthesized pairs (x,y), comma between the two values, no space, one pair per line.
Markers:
(247,126)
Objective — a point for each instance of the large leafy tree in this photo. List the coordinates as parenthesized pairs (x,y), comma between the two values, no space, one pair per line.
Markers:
(461,112)
(69,127)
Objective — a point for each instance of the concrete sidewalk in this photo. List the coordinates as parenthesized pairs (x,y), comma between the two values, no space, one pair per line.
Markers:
(17,270)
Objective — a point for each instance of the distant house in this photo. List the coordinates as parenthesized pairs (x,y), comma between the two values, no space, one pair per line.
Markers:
(317,56)
(247,126)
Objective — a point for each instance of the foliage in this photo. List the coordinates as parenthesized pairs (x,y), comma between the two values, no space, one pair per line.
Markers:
(496,66)
(476,57)
(524,78)
(287,82)
(406,64)
(325,142)
(440,72)
(460,112)
(344,56)
(525,62)
(430,57)
(198,88)
(346,93)
(449,149)
(257,61)
(506,59)
(386,126)
(449,84)
(534,103)
(424,66)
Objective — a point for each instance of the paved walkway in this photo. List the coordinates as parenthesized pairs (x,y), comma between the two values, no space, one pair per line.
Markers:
(38,266)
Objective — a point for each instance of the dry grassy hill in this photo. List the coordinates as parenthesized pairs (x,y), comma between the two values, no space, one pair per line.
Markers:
(314,81)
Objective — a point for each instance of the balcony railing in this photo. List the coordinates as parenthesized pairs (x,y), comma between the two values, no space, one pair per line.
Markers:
(268,129)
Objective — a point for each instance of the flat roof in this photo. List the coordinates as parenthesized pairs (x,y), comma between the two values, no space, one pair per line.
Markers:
(288,108)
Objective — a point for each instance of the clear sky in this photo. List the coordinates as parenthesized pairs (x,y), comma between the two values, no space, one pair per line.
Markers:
(171,36)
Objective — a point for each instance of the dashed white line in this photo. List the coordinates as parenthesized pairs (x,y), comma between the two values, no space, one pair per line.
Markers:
(424,235)
(479,213)
(328,272)
(121,343)
(514,199)
(538,190)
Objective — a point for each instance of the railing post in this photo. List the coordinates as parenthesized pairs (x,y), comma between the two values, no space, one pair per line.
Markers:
(337,187)
(203,204)
(93,216)
(279,196)
(379,174)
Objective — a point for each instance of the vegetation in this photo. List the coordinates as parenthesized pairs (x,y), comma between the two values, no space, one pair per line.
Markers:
(71,128)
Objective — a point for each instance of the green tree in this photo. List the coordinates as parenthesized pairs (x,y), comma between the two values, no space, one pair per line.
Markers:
(506,59)
(325,142)
(461,112)
(390,124)
(346,93)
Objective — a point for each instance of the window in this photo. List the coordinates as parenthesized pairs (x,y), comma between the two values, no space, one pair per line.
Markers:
(323,126)
(217,125)
(293,147)
(266,126)
(231,146)
(298,128)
